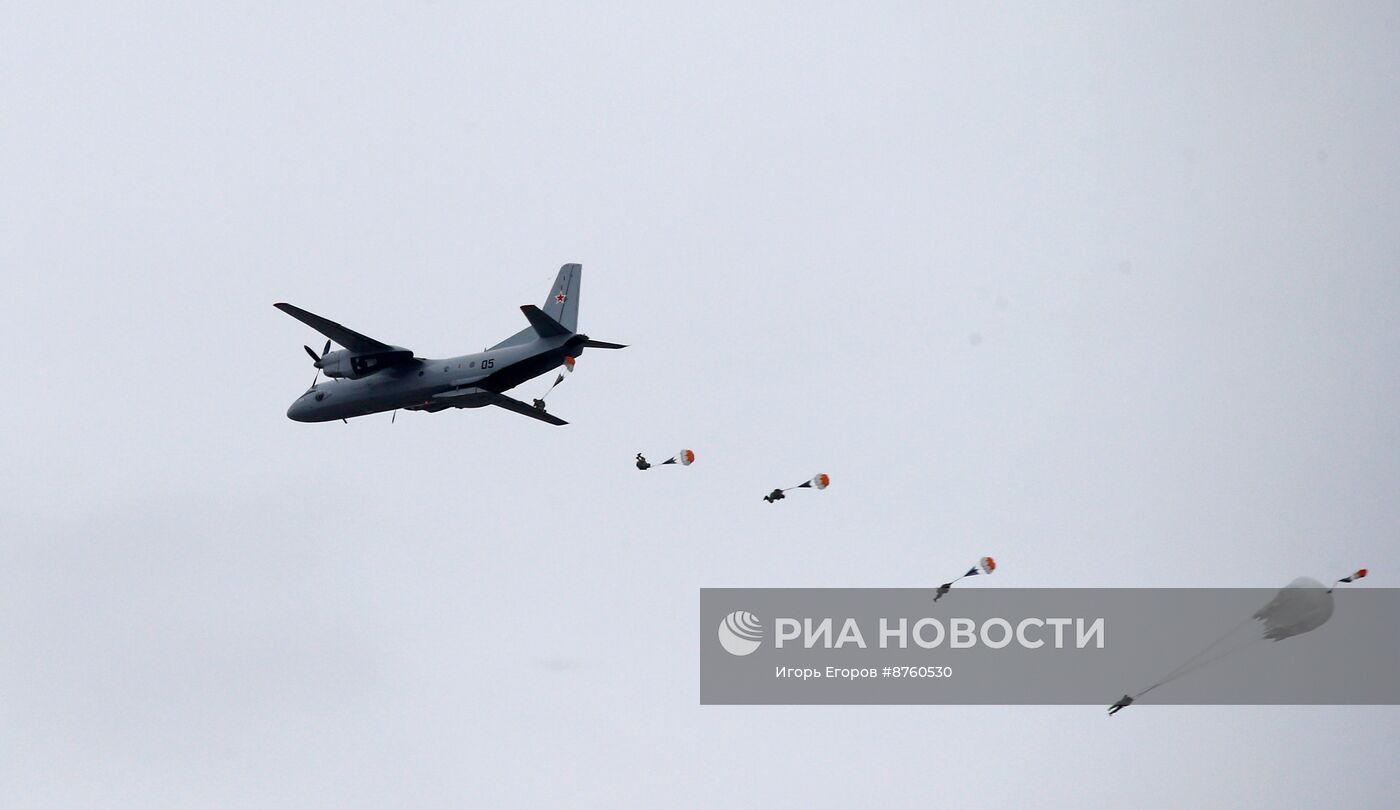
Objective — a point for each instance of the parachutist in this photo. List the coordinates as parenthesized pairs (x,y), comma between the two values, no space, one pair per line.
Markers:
(986,565)
(1123,703)
(642,463)
(774,496)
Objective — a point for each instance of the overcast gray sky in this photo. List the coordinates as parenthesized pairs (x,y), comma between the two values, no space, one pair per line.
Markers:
(1108,292)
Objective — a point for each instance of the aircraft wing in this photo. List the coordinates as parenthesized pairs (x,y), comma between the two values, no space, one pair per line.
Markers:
(503,401)
(349,338)
(481,397)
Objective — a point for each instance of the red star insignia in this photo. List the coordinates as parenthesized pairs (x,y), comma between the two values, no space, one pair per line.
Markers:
(561,298)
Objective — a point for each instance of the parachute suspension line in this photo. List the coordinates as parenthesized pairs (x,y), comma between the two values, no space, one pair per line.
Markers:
(1187,665)
(1227,652)
(550,390)
(1195,662)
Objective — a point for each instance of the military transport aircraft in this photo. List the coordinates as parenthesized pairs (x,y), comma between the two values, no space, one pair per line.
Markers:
(373,377)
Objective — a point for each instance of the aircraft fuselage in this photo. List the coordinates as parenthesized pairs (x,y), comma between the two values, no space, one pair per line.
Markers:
(424,384)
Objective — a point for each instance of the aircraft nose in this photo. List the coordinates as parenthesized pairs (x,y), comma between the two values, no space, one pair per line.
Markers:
(298,411)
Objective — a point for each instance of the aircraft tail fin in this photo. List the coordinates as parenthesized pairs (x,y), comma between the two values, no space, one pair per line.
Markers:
(562,303)
(560,309)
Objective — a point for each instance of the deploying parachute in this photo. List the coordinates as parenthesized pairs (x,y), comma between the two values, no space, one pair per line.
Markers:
(568,369)
(1305,604)
(685,458)
(1359,573)
(1299,607)
(818,481)
(986,565)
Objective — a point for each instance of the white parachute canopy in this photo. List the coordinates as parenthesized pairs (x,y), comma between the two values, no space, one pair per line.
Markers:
(1304,604)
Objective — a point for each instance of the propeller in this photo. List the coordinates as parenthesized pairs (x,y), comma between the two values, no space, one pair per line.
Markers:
(316,360)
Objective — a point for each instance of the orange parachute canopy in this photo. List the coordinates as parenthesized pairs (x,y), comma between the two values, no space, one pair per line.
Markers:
(986,565)
(818,481)
(685,458)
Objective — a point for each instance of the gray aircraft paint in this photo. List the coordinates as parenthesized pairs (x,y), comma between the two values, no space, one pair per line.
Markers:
(466,381)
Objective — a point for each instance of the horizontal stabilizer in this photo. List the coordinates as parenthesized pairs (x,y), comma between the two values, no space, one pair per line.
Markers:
(599,344)
(543,324)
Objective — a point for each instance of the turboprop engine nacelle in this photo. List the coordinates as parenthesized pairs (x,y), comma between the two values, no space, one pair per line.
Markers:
(343,363)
